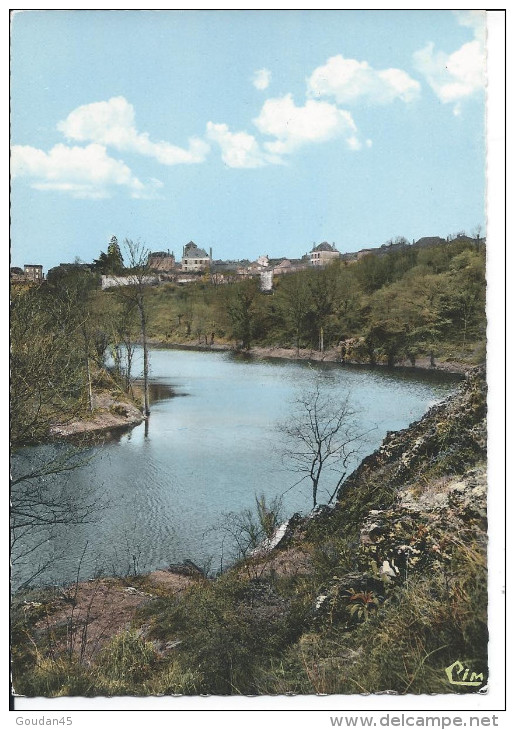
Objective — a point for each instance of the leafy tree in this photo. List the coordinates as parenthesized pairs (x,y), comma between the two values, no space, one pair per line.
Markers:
(349,297)
(323,288)
(389,337)
(371,273)
(240,307)
(294,304)
(112,261)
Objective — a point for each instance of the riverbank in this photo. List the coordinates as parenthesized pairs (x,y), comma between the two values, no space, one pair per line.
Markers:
(303,354)
(110,413)
(334,355)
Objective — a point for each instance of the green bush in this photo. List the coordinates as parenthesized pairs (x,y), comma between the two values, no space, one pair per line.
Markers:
(228,629)
(128,657)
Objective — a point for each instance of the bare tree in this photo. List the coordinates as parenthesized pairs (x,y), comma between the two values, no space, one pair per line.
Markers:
(42,499)
(47,378)
(477,231)
(139,274)
(245,532)
(322,438)
(124,329)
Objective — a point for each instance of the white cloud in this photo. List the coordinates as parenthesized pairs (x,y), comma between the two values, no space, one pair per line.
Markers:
(348,81)
(475,19)
(456,76)
(353,143)
(112,123)
(294,126)
(239,149)
(461,74)
(82,172)
(261,79)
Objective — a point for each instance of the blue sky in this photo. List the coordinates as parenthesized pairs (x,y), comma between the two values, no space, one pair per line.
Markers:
(250,132)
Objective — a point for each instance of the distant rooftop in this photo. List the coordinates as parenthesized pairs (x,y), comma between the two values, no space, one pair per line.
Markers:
(192,251)
(324,246)
(429,241)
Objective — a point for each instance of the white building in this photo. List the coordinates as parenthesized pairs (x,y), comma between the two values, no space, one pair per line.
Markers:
(263,260)
(323,254)
(195,258)
(108,281)
(266,281)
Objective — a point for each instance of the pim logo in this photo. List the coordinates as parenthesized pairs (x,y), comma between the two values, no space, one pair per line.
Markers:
(458,673)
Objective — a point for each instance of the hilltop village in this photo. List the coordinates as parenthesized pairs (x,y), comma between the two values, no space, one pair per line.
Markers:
(195,263)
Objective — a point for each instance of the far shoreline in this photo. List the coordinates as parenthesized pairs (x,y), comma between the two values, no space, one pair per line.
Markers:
(119,415)
(331,355)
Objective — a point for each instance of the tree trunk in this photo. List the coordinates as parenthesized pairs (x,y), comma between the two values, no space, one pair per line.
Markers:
(146,400)
(90,388)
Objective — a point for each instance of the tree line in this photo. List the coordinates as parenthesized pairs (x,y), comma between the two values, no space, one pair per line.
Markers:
(398,306)
(70,340)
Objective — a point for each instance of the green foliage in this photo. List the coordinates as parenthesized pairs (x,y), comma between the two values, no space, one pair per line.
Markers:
(399,305)
(402,644)
(237,635)
(245,531)
(128,665)
(294,304)
(361,604)
(241,310)
(403,304)
(228,630)
(128,657)
(47,363)
(112,261)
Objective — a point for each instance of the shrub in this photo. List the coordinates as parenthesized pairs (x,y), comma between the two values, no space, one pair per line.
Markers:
(128,657)
(228,629)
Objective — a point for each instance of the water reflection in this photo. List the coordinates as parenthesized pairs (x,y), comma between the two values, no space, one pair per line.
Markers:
(169,480)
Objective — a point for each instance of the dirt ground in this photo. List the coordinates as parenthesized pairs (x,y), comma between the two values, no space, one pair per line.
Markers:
(286,563)
(110,413)
(88,615)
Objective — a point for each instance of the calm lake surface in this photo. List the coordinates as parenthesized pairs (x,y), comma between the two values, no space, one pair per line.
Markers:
(212,445)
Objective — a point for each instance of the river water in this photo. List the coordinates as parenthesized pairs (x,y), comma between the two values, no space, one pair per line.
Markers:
(213,442)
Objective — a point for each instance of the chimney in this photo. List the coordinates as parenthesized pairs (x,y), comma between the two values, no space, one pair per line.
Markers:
(211,253)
